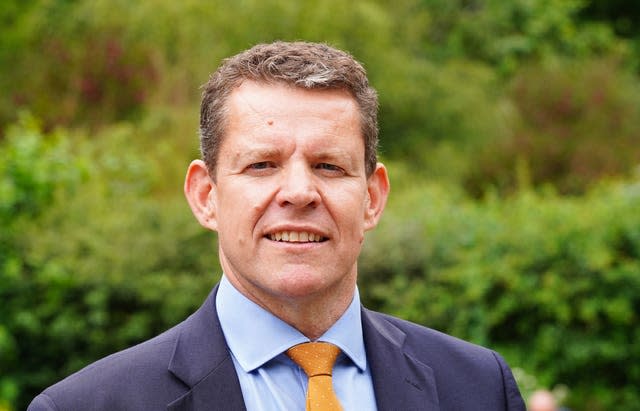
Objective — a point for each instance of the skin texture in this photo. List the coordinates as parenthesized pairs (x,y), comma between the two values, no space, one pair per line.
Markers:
(292,159)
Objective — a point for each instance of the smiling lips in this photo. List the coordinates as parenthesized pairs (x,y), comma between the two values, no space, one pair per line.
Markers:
(296,237)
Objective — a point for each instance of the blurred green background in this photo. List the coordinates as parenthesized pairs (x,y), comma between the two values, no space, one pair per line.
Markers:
(511,130)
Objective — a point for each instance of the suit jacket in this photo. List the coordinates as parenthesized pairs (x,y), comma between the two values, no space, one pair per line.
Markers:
(189,367)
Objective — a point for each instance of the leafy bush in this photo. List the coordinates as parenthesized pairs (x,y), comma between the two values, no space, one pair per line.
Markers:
(27,187)
(576,124)
(550,282)
(71,68)
(435,63)
(91,262)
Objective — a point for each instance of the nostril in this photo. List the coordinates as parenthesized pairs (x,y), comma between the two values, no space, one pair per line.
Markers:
(308,198)
(298,187)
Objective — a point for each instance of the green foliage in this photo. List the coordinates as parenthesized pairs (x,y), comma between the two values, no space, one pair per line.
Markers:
(98,249)
(576,124)
(91,262)
(436,64)
(28,186)
(550,282)
(70,68)
(427,105)
(621,15)
(505,35)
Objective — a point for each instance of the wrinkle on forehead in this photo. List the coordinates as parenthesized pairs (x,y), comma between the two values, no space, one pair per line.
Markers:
(268,115)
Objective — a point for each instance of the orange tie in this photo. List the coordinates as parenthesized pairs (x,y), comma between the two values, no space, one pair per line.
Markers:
(316,359)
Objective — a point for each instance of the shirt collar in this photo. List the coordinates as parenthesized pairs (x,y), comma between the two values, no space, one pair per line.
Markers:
(255,336)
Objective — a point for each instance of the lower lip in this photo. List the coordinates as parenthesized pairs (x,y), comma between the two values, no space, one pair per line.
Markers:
(297,246)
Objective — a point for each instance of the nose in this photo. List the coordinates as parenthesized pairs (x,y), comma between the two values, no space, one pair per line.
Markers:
(298,187)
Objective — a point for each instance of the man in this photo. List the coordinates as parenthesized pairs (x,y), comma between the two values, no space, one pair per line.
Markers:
(290,182)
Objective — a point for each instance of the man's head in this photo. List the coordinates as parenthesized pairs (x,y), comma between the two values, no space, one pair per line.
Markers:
(288,181)
(298,64)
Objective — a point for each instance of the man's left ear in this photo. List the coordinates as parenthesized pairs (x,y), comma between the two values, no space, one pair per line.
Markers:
(377,193)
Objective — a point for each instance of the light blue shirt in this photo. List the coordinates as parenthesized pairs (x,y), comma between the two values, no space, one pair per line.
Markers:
(271,381)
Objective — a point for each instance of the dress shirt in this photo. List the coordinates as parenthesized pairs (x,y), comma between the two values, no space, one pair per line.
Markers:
(271,381)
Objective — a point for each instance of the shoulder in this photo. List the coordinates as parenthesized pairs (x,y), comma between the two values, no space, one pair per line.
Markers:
(454,362)
(147,376)
(418,339)
(136,376)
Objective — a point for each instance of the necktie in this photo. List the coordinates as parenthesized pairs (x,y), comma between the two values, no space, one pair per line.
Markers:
(317,359)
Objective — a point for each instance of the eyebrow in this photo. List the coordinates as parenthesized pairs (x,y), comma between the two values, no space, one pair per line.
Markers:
(254,153)
(268,152)
(334,154)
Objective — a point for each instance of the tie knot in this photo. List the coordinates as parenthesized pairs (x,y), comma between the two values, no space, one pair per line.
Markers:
(315,358)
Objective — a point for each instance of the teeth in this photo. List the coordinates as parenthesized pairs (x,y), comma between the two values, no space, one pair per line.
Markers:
(295,237)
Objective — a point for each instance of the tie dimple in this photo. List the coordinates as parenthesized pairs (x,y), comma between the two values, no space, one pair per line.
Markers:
(317,359)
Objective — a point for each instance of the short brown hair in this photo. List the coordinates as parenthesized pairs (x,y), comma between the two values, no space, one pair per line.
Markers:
(300,64)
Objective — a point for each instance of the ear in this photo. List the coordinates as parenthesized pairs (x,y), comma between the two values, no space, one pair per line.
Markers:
(377,193)
(200,190)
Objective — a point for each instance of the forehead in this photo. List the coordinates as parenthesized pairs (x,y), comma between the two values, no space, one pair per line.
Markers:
(265,109)
(252,97)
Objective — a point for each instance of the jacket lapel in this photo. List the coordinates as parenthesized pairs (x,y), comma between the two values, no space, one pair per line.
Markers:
(400,381)
(201,360)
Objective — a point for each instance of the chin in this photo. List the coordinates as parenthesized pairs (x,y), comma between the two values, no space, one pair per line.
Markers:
(301,284)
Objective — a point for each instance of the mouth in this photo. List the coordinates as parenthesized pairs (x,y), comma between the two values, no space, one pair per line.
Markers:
(296,237)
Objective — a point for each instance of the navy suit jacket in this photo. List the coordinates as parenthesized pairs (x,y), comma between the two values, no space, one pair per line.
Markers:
(189,368)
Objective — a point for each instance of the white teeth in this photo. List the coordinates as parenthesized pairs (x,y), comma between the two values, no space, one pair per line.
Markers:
(295,236)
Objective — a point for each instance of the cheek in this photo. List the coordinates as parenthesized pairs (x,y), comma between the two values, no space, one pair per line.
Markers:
(250,214)
(349,211)
(246,203)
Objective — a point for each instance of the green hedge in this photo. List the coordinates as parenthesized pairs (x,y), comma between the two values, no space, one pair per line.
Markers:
(90,261)
(551,282)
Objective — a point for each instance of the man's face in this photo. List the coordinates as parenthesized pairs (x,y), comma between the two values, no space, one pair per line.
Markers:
(291,200)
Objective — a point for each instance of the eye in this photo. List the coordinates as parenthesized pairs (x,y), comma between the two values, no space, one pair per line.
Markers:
(329,167)
(260,168)
(261,165)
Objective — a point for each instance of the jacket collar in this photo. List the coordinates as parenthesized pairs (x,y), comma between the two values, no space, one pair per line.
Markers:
(400,381)
(202,362)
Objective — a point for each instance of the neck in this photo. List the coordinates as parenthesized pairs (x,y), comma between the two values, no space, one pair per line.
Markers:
(311,314)
(313,319)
